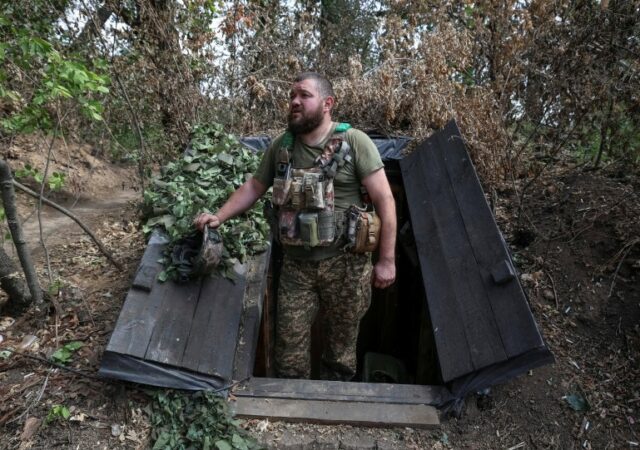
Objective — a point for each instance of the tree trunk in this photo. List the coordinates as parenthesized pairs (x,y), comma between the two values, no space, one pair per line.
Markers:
(9,202)
(11,282)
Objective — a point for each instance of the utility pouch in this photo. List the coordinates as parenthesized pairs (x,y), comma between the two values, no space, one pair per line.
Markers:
(326,226)
(362,230)
(281,189)
(287,225)
(329,196)
(309,229)
(297,193)
(313,191)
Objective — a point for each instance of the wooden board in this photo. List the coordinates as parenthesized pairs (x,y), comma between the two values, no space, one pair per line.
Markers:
(449,333)
(215,344)
(171,328)
(477,322)
(513,317)
(342,391)
(475,313)
(189,330)
(253,303)
(139,313)
(331,412)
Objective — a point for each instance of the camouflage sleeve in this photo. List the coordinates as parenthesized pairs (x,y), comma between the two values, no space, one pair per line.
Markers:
(366,155)
(266,171)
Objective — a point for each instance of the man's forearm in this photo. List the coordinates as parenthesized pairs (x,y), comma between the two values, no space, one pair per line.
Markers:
(387,211)
(379,190)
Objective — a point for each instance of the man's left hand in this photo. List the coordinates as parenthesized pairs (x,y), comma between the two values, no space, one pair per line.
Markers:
(384,273)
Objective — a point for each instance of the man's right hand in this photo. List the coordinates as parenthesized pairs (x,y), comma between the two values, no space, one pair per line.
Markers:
(211,220)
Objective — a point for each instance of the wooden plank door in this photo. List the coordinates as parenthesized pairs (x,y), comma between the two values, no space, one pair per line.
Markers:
(480,316)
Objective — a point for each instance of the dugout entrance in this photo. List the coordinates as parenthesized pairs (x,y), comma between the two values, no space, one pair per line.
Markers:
(456,321)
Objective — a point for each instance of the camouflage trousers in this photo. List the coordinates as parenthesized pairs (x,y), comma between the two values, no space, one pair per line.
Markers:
(341,286)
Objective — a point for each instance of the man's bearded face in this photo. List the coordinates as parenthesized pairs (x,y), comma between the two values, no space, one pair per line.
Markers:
(306,107)
(305,121)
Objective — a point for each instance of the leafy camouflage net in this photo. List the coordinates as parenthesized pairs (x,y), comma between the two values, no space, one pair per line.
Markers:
(215,166)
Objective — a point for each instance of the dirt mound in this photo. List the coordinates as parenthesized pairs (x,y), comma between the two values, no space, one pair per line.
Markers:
(91,188)
(86,175)
(579,251)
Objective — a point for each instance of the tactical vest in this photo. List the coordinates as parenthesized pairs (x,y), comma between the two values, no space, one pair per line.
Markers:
(304,198)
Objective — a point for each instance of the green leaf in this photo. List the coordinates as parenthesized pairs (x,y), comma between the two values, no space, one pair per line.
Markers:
(223,445)
(73,346)
(166,221)
(577,402)
(239,442)
(56,181)
(62,355)
(191,167)
(162,441)
(57,412)
(80,76)
(95,115)
(226,159)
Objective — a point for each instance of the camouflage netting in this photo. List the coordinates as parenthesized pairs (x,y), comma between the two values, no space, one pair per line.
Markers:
(409,96)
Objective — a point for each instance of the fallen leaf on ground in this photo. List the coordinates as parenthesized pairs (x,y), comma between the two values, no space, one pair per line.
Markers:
(31,426)
(80,417)
(577,402)
(27,342)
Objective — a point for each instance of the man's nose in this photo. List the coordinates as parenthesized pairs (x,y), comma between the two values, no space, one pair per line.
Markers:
(295,100)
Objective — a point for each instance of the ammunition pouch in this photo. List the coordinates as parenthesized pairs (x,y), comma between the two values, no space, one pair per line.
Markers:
(362,230)
(281,190)
(306,228)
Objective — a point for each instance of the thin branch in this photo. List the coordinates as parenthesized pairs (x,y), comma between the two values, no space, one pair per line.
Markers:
(555,293)
(68,213)
(39,207)
(624,256)
(54,364)
(36,401)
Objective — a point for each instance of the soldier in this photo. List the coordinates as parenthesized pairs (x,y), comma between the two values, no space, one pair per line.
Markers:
(318,170)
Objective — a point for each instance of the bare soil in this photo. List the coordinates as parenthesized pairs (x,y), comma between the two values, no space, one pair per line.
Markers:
(576,244)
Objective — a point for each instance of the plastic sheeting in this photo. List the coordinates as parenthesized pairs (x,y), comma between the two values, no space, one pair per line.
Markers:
(135,370)
(256,143)
(492,376)
(390,147)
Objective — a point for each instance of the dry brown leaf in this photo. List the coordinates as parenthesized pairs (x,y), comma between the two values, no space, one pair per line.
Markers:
(31,426)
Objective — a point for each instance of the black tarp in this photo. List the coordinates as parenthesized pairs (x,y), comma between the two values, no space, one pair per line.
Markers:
(390,147)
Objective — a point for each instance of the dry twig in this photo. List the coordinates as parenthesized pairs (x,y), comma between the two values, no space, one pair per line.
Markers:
(68,213)
(555,293)
(624,252)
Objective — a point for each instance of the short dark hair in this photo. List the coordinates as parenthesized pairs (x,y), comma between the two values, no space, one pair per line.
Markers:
(325,88)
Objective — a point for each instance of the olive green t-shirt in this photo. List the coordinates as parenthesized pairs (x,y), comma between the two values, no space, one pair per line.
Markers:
(365,160)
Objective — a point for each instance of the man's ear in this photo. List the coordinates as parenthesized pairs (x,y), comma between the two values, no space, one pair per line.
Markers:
(328,103)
